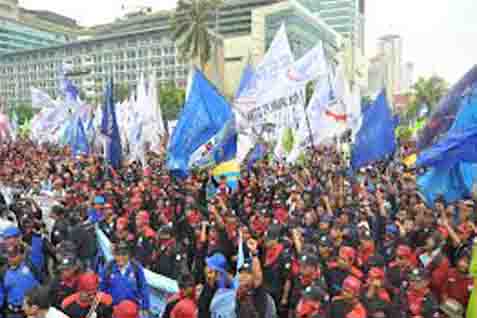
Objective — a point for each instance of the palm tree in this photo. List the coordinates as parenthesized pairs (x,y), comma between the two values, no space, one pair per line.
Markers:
(191,32)
(426,92)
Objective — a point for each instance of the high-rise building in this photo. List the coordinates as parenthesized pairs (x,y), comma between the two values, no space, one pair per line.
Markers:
(22,29)
(390,48)
(142,42)
(407,77)
(347,17)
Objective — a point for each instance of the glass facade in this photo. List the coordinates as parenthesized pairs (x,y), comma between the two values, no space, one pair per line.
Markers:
(121,57)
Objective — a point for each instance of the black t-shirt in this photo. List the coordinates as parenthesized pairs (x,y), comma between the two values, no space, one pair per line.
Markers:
(205,300)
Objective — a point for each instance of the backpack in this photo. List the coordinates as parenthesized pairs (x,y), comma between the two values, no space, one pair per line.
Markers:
(135,267)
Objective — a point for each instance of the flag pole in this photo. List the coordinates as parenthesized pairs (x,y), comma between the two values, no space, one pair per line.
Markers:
(307,118)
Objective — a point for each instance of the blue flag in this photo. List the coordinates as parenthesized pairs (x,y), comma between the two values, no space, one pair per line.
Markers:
(109,128)
(375,140)
(453,177)
(258,153)
(206,114)
(80,144)
(443,117)
(247,76)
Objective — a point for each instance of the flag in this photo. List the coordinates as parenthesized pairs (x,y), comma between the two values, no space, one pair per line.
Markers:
(109,129)
(206,114)
(41,99)
(446,110)
(246,80)
(14,124)
(375,140)
(453,148)
(453,183)
(459,143)
(229,169)
(258,153)
(456,181)
(311,66)
(71,93)
(80,145)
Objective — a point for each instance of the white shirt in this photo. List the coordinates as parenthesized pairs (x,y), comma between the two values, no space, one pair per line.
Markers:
(55,313)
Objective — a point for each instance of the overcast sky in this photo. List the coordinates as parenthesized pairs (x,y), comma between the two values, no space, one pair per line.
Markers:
(440,36)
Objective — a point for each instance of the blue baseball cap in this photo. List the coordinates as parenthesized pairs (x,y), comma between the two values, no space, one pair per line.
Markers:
(391,229)
(10,232)
(99,200)
(217,262)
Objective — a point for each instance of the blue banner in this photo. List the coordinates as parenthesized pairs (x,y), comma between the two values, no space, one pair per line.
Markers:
(109,128)
(445,112)
(205,114)
(375,140)
(453,178)
(80,144)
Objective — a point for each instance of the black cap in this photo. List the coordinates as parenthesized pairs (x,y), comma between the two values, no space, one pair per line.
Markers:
(417,275)
(309,259)
(121,248)
(324,241)
(186,280)
(315,293)
(166,230)
(273,233)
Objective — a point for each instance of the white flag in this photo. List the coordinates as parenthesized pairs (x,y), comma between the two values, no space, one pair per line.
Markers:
(40,99)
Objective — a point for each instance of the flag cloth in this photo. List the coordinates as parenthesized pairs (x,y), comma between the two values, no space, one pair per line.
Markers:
(109,129)
(453,184)
(206,114)
(375,140)
(456,182)
(258,153)
(40,99)
(80,145)
(445,112)
(229,169)
(246,80)
(453,148)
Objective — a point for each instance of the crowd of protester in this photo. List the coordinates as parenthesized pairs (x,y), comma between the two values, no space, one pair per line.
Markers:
(318,240)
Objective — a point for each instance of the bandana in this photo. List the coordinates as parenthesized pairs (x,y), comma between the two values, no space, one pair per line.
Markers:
(272,254)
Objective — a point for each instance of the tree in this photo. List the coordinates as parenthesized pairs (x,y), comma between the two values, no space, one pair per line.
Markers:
(24,112)
(191,32)
(426,92)
(171,99)
(122,92)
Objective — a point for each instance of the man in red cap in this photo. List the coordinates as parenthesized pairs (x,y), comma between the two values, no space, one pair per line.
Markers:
(458,284)
(145,239)
(376,298)
(311,304)
(341,268)
(347,304)
(88,299)
(183,304)
(399,269)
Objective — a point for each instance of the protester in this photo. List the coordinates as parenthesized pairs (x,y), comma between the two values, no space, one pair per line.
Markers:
(317,241)
(37,304)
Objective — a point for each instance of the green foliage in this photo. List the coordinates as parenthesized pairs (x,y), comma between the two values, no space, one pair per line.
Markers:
(288,140)
(425,92)
(122,92)
(171,99)
(404,132)
(191,32)
(24,113)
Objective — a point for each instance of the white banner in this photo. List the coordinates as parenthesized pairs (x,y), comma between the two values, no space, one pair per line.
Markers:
(40,99)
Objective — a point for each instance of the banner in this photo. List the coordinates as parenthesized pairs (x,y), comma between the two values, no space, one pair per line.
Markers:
(205,121)
(376,138)
(445,112)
